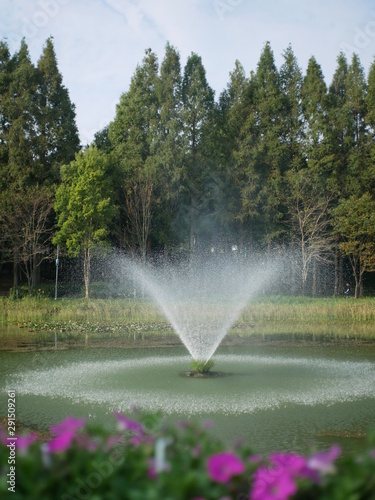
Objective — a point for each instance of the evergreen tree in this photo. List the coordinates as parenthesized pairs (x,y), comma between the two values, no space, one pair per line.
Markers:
(197,114)
(314,102)
(338,137)
(58,139)
(21,103)
(260,153)
(339,144)
(355,105)
(134,137)
(233,108)
(169,154)
(292,114)
(5,80)
(18,139)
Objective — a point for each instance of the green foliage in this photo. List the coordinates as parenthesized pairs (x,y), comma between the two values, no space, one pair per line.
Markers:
(83,202)
(184,171)
(354,221)
(202,366)
(147,461)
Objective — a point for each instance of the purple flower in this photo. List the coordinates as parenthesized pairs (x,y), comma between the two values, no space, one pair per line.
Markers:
(61,442)
(323,460)
(125,423)
(64,433)
(272,484)
(277,481)
(70,424)
(222,466)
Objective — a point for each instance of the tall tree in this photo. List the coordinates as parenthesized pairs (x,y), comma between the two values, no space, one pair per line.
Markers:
(197,114)
(18,136)
(169,149)
(233,108)
(339,144)
(314,103)
(133,134)
(260,152)
(84,206)
(355,105)
(58,140)
(292,131)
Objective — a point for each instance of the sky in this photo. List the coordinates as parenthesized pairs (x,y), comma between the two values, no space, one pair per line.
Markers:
(99,43)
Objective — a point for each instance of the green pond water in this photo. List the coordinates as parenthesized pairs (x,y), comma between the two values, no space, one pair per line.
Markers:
(297,397)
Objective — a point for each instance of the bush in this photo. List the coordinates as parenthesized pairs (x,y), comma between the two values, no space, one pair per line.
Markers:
(149,461)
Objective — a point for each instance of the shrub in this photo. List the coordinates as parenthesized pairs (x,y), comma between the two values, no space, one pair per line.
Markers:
(148,461)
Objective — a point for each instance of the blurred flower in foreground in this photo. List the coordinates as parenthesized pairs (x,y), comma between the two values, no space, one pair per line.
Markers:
(323,460)
(125,423)
(64,433)
(222,466)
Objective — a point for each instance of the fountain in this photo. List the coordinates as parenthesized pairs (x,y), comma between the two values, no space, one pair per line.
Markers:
(202,301)
(275,397)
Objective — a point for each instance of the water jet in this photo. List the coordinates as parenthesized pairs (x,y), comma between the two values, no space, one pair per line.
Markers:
(202,301)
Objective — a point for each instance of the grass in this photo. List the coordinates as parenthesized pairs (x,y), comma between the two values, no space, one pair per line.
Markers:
(278,314)
(202,366)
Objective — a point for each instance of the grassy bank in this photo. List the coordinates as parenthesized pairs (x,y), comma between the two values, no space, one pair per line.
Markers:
(268,310)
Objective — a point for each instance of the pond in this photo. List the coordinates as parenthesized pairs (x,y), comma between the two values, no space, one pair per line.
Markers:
(286,396)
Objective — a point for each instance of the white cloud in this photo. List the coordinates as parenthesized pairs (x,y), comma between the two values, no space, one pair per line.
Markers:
(100,42)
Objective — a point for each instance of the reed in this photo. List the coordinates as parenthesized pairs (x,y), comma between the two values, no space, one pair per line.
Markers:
(273,314)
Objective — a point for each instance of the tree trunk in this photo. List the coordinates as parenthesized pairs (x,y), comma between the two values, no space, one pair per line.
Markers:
(315,278)
(86,271)
(15,272)
(336,288)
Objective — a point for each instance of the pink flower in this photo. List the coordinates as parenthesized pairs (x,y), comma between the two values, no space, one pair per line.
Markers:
(222,466)
(70,424)
(276,482)
(272,484)
(64,433)
(125,423)
(323,460)
(60,443)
